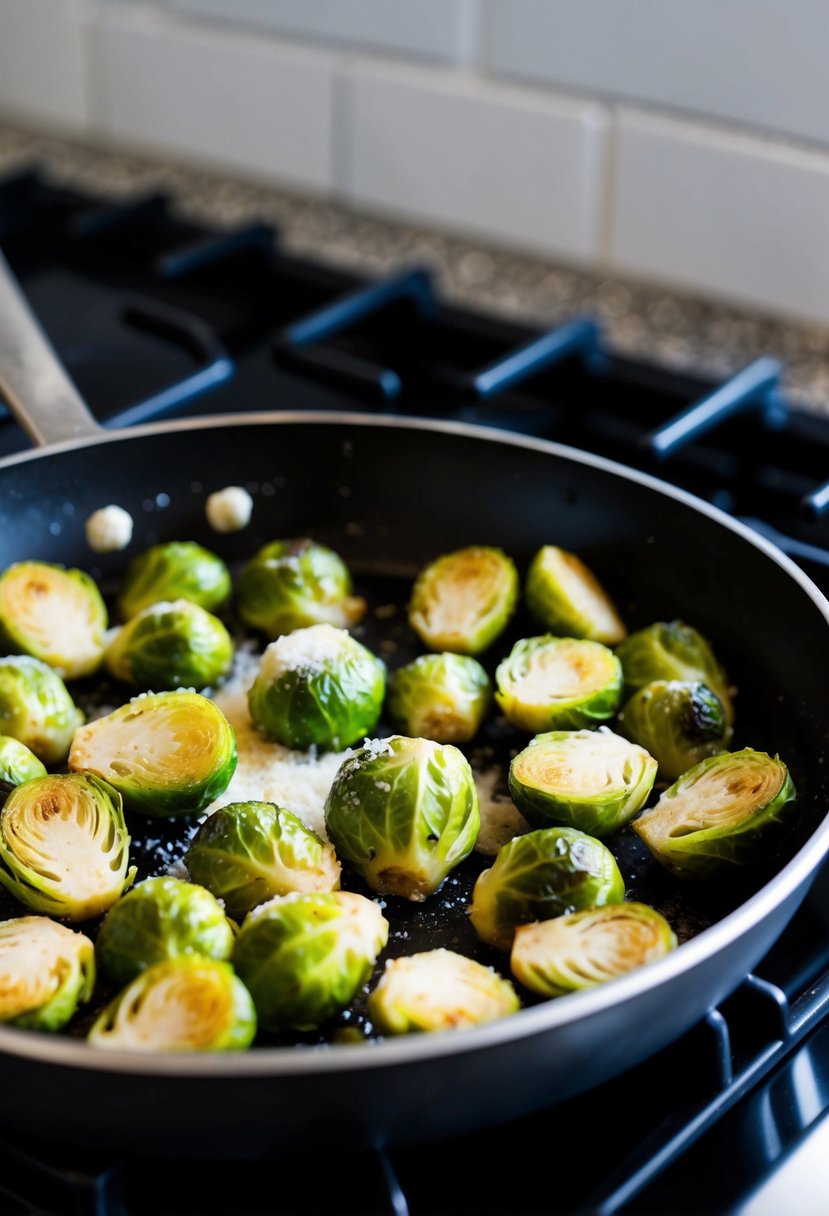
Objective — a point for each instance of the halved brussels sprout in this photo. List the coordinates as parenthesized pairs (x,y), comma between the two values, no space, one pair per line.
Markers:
(680,722)
(545,873)
(583,949)
(549,683)
(304,956)
(672,650)
(64,846)
(403,813)
(46,972)
(722,812)
(291,584)
(184,1004)
(438,990)
(174,570)
(171,645)
(36,708)
(317,687)
(17,763)
(566,598)
(443,697)
(161,918)
(55,614)
(248,852)
(592,780)
(463,600)
(167,753)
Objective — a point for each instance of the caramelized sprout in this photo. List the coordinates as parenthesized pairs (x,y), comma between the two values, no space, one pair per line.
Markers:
(583,949)
(438,990)
(55,614)
(566,598)
(463,600)
(17,763)
(171,645)
(443,697)
(672,650)
(46,972)
(167,753)
(549,683)
(593,780)
(680,722)
(174,570)
(64,846)
(184,1004)
(36,708)
(723,812)
(291,584)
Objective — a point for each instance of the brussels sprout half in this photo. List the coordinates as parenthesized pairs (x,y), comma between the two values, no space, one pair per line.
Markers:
(167,753)
(463,600)
(403,813)
(721,813)
(443,697)
(291,584)
(592,780)
(438,990)
(545,873)
(566,598)
(161,918)
(672,650)
(174,570)
(168,645)
(317,687)
(55,614)
(248,852)
(549,683)
(64,846)
(17,763)
(680,722)
(46,972)
(304,956)
(184,1004)
(583,949)
(36,708)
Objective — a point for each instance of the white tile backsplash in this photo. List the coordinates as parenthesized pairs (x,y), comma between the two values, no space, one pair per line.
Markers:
(520,167)
(43,66)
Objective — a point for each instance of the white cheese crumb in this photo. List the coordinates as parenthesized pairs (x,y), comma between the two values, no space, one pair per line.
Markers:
(109,528)
(307,650)
(229,509)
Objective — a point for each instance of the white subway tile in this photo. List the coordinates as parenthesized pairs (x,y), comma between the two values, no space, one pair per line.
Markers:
(523,168)
(724,213)
(43,61)
(250,104)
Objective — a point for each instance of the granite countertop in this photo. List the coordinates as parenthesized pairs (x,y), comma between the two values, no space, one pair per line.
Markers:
(653,323)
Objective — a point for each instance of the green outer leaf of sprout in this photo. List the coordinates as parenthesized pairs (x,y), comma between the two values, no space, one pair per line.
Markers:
(549,708)
(174,570)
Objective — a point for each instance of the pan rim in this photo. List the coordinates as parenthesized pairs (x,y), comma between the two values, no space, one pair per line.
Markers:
(795,877)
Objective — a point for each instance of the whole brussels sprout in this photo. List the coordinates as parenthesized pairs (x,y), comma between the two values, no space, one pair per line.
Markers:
(317,687)
(161,918)
(55,614)
(549,683)
(304,956)
(443,697)
(174,570)
(64,846)
(680,722)
(291,584)
(248,852)
(672,650)
(184,1004)
(566,598)
(723,812)
(171,645)
(545,873)
(46,972)
(592,780)
(167,753)
(463,600)
(403,813)
(438,990)
(583,949)
(36,708)
(17,763)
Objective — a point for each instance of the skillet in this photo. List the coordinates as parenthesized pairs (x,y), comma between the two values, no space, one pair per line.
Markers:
(389,494)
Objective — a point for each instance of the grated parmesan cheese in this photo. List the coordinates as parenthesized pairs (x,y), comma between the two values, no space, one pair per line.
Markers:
(109,528)
(229,509)
(306,650)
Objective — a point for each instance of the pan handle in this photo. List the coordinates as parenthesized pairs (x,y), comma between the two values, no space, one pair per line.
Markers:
(33,381)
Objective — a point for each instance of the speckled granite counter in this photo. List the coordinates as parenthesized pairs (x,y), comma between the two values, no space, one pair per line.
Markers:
(662,326)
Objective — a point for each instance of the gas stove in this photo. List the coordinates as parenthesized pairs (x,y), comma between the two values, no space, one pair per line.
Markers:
(154,315)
